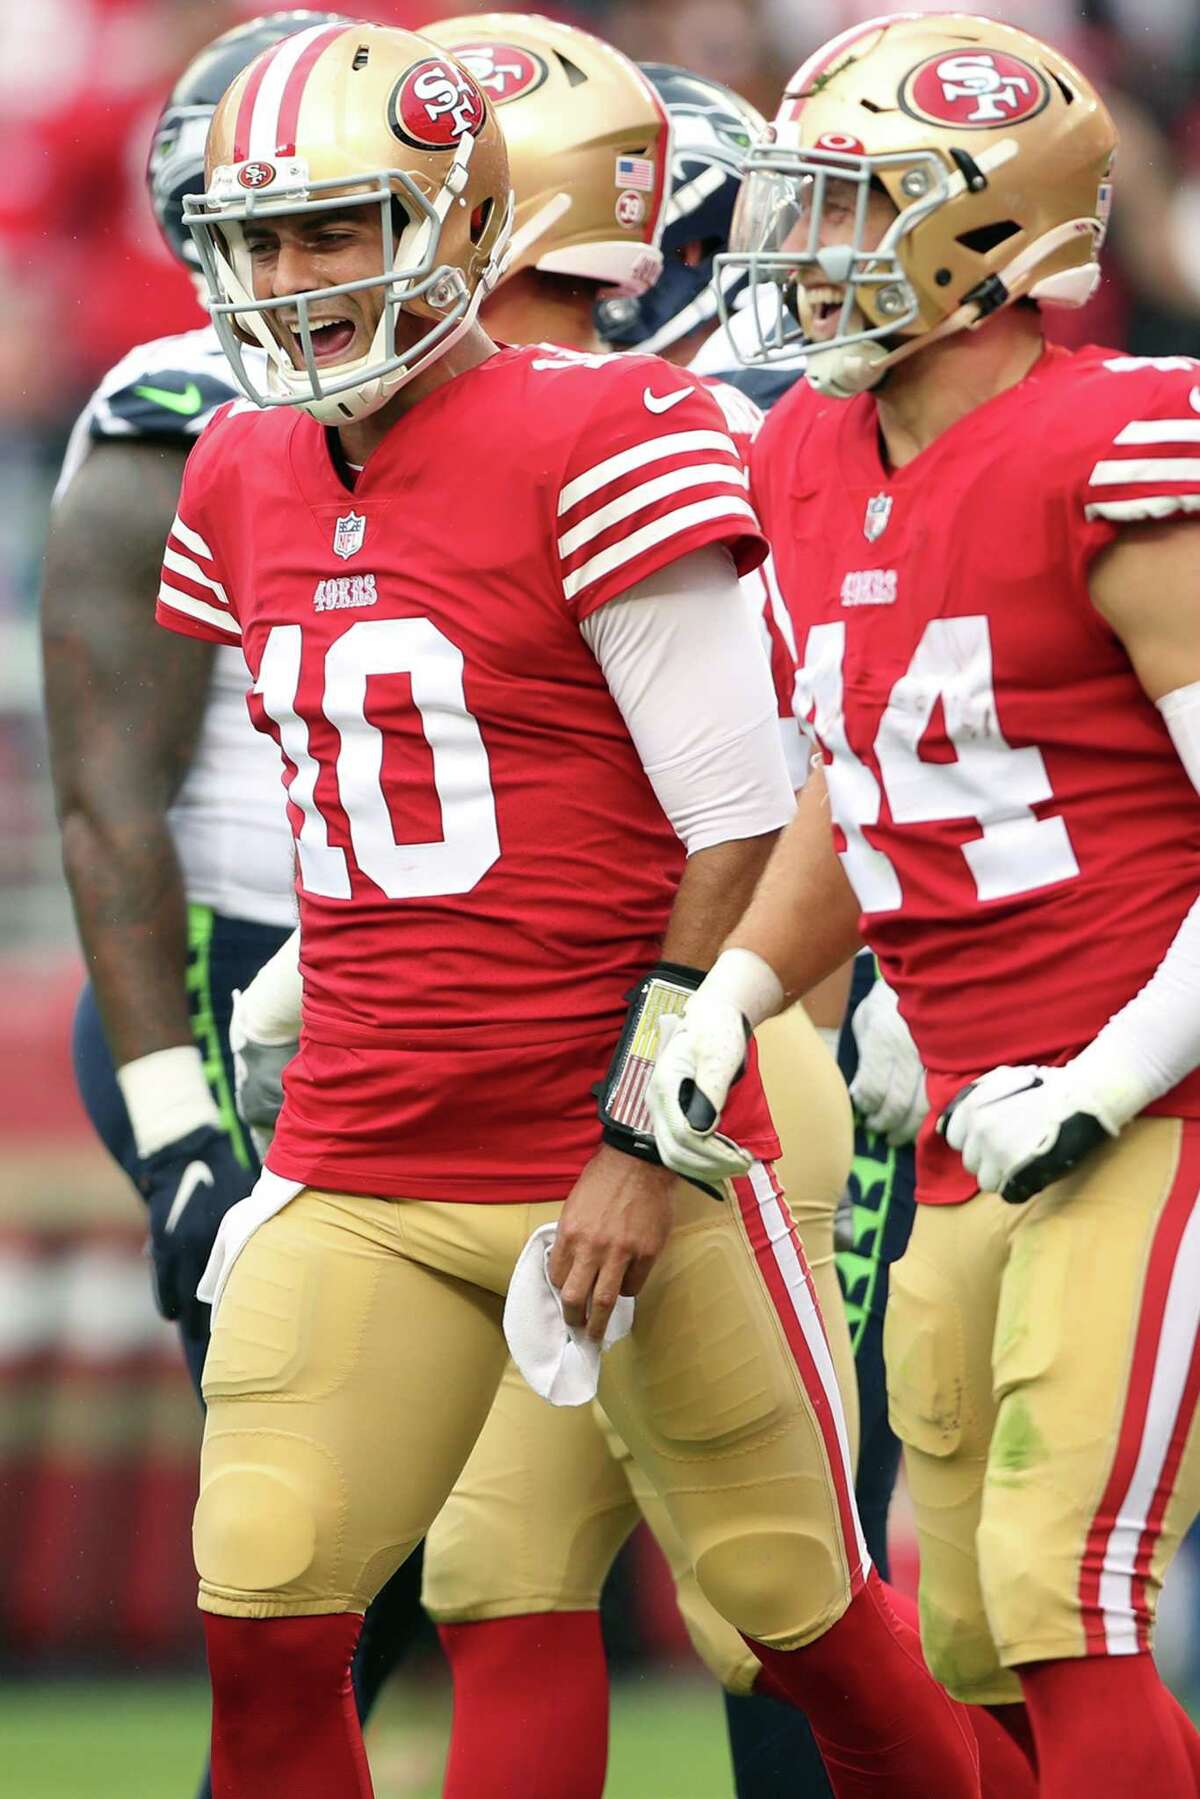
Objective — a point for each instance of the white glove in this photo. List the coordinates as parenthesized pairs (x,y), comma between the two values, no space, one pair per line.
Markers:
(1019,1129)
(700,1056)
(888,1090)
(257,1077)
(264,1033)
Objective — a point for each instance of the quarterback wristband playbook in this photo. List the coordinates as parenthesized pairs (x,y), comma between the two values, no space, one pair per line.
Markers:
(662,993)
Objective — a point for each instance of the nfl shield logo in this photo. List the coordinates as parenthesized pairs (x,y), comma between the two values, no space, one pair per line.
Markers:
(348,534)
(879,511)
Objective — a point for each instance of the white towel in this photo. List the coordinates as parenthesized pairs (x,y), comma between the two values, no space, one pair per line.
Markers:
(269,1194)
(559,1361)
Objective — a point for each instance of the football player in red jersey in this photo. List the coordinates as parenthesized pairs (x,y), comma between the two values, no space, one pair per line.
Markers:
(449,567)
(987,549)
(517,1557)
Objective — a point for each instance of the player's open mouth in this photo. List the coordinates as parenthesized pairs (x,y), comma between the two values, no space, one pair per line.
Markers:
(331,338)
(821,310)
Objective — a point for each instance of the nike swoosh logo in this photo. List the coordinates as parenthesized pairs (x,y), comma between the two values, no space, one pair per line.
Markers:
(664,402)
(196,1174)
(187,403)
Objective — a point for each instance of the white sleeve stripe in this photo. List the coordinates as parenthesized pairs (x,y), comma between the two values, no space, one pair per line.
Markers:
(670,525)
(676,444)
(209,615)
(183,565)
(190,539)
(1160,505)
(1152,468)
(1160,431)
(694,475)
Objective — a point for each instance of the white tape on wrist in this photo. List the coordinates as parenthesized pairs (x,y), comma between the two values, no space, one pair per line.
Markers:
(166,1096)
(741,977)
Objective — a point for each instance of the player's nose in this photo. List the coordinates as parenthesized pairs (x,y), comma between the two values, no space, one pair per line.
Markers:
(292,270)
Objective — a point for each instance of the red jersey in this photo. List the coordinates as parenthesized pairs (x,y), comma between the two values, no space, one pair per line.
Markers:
(1008,804)
(483,869)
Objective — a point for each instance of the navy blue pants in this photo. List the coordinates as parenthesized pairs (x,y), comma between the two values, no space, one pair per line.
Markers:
(772,1746)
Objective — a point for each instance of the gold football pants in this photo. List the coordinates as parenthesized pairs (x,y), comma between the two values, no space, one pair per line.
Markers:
(1042,1373)
(549,1494)
(357,1350)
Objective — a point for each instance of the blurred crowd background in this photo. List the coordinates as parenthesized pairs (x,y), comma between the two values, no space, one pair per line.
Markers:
(97,1431)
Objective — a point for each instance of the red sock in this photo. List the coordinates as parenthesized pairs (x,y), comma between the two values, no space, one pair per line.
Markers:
(882,1723)
(1014,1721)
(283,1708)
(1187,1735)
(1105,1724)
(1006,1769)
(530,1707)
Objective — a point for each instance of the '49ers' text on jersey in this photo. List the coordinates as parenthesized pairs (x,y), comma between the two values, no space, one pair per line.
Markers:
(1008,804)
(483,868)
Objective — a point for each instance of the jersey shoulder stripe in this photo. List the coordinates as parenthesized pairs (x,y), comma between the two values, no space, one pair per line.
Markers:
(1146,450)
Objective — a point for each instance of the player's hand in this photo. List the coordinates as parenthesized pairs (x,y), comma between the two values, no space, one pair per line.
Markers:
(188,1186)
(613,1227)
(1019,1129)
(257,1076)
(700,1056)
(888,1090)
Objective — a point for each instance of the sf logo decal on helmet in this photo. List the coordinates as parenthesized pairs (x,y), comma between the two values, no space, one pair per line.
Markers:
(256,174)
(434,104)
(505,70)
(977,88)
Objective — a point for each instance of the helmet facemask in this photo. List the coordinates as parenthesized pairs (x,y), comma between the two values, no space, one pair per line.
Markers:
(411,279)
(776,241)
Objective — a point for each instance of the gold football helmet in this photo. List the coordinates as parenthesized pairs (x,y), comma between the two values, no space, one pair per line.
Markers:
(996,153)
(343,116)
(589,145)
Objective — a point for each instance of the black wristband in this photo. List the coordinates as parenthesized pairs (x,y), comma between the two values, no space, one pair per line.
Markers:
(621,1096)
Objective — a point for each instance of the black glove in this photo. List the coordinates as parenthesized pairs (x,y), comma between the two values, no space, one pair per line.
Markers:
(188,1187)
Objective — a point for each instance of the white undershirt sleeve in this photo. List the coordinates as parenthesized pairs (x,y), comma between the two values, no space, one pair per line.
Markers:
(1154,1041)
(683,658)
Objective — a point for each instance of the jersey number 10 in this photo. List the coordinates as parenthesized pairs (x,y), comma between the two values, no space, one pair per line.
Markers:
(989,781)
(470,842)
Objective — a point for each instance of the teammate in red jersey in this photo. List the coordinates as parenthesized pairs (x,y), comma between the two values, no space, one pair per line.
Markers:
(449,601)
(986,549)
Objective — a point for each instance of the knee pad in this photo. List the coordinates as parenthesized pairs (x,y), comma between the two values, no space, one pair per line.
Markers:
(781,1586)
(266,1521)
(1030,1580)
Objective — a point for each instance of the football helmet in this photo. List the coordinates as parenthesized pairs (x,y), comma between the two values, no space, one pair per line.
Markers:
(176,163)
(996,153)
(342,116)
(589,145)
(712,128)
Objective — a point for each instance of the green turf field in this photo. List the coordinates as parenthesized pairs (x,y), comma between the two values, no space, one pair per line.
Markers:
(143,1740)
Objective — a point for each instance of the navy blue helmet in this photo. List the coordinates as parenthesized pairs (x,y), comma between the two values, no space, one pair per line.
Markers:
(713,128)
(176,165)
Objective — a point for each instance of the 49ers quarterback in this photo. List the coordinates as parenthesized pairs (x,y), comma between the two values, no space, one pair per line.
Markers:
(450,567)
(986,549)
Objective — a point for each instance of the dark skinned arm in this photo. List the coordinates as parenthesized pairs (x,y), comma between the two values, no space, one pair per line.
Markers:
(124,700)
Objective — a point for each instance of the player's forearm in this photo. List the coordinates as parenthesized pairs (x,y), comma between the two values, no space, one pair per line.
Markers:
(131,913)
(803,917)
(716,887)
